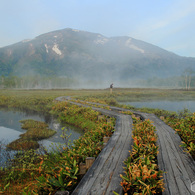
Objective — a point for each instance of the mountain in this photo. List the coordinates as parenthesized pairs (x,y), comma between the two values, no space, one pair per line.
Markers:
(90,56)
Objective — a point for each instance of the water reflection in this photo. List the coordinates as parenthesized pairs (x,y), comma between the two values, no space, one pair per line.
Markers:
(9,134)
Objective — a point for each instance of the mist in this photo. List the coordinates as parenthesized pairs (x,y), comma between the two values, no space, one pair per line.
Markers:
(71,58)
(42,82)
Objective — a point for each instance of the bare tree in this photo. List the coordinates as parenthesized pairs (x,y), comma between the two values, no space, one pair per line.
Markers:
(188,72)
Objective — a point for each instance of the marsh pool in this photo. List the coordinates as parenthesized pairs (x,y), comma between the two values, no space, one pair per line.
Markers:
(165,105)
(10,128)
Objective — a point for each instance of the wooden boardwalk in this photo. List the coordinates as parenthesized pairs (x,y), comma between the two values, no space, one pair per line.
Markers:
(178,165)
(103,177)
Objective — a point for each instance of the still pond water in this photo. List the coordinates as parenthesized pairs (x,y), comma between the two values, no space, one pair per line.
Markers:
(10,128)
(165,105)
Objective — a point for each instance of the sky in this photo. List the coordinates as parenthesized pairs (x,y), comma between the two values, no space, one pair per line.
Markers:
(169,24)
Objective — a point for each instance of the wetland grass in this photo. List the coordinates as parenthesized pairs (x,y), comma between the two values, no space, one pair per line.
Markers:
(41,99)
(31,176)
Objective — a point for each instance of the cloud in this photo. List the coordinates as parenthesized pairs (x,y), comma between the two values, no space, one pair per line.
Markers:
(178,12)
(22,20)
(171,28)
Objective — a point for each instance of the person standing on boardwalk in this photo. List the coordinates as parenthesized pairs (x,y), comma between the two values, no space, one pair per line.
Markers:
(111,86)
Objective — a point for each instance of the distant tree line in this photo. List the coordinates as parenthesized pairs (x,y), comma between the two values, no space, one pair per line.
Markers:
(184,81)
(181,82)
(36,82)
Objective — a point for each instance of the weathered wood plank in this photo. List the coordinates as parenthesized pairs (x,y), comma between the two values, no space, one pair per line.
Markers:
(104,175)
(90,177)
(124,155)
(111,167)
(179,167)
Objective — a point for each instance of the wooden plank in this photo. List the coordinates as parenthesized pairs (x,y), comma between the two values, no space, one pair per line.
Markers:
(104,175)
(124,155)
(89,179)
(178,178)
(111,166)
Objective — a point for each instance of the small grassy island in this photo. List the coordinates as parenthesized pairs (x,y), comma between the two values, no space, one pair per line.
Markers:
(36,131)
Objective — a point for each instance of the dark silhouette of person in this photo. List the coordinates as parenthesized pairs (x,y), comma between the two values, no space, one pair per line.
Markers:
(111,86)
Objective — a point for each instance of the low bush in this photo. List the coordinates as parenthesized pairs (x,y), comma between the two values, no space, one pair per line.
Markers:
(185,127)
(141,171)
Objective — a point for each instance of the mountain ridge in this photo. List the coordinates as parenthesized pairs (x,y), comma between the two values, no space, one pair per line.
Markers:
(90,56)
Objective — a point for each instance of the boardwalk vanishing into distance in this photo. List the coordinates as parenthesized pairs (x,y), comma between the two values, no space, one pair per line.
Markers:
(104,176)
